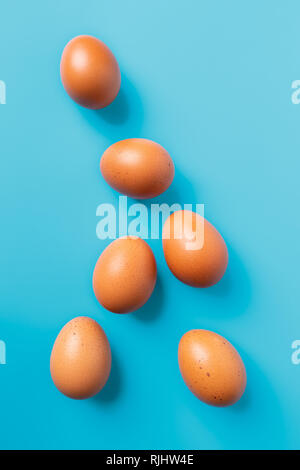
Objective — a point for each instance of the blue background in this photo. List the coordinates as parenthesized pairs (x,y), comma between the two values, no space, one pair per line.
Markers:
(210,81)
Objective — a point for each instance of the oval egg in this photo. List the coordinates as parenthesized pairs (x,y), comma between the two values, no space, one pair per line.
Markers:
(125,275)
(194,250)
(139,168)
(211,368)
(81,359)
(89,72)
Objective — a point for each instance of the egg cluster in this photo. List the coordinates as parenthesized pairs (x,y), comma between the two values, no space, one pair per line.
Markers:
(125,274)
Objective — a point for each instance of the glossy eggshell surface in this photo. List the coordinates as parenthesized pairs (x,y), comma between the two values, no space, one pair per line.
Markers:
(139,168)
(125,275)
(211,367)
(81,358)
(89,72)
(195,260)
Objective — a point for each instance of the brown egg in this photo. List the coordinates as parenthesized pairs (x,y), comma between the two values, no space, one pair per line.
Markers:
(194,250)
(81,359)
(139,168)
(89,72)
(125,275)
(211,367)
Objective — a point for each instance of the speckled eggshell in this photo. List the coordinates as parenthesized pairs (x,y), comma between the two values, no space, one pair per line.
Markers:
(211,368)
(81,359)
(125,275)
(139,168)
(201,267)
(89,72)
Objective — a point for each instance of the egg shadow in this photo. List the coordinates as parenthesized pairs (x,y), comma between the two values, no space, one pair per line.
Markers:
(117,112)
(123,118)
(181,191)
(152,309)
(112,388)
(256,420)
(244,403)
(234,290)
